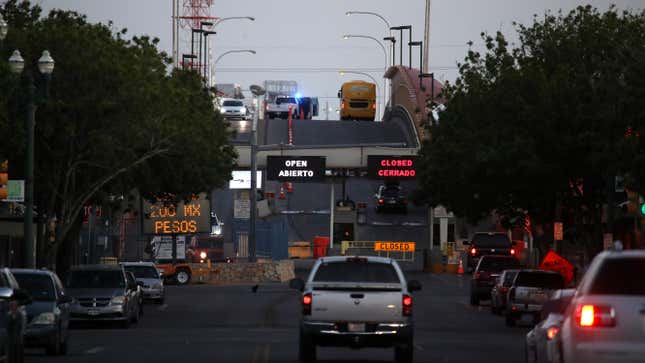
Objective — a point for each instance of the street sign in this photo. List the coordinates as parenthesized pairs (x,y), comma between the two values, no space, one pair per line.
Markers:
(394,246)
(241,179)
(391,167)
(242,209)
(177,218)
(557,231)
(15,191)
(296,168)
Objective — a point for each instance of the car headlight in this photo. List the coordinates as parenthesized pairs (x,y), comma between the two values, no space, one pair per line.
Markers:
(45,319)
(118,300)
(203,255)
(243,110)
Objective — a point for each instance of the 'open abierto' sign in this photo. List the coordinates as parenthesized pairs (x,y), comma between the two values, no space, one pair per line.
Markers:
(296,168)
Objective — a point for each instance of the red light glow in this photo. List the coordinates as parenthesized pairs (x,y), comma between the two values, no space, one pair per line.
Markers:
(307,299)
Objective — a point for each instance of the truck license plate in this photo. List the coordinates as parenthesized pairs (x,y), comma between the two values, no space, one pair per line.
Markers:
(356,327)
(93,312)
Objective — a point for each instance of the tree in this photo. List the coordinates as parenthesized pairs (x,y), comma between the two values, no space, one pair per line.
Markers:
(523,124)
(115,119)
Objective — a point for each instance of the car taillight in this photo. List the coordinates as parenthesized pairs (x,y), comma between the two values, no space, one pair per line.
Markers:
(476,276)
(381,201)
(473,251)
(595,316)
(503,289)
(267,107)
(307,299)
(407,305)
(374,106)
(342,105)
(512,251)
(552,332)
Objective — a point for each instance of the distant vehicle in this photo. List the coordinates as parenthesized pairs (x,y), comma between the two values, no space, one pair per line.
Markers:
(307,107)
(488,243)
(390,198)
(542,344)
(487,270)
(102,293)
(529,291)
(203,248)
(233,109)
(179,272)
(13,318)
(357,101)
(356,302)
(500,290)
(280,107)
(48,313)
(605,320)
(147,273)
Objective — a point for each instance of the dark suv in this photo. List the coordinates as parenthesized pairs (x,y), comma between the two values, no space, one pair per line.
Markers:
(486,273)
(488,243)
(390,197)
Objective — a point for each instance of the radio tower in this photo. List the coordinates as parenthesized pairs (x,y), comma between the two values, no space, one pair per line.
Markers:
(189,17)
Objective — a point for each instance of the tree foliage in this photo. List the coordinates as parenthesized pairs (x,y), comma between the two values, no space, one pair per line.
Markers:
(115,120)
(524,122)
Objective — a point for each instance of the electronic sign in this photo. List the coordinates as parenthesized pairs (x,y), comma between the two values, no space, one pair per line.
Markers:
(296,168)
(392,167)
(241,179)
(164,218)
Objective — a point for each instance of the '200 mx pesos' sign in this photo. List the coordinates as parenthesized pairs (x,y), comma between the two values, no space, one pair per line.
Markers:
(296,168)
(392,167)
(177,218)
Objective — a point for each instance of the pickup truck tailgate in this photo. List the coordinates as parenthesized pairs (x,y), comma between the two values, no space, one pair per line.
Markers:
(361,304)
(532,295)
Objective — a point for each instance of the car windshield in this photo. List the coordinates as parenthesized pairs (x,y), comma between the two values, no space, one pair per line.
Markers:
(540,279)
(359,88)
(498,264)
(95,279)
(620,277)
(143,272)
(285,100)
(210,243)
(233,103)
(369,272)
(39,286)
(491,240)
(391,191)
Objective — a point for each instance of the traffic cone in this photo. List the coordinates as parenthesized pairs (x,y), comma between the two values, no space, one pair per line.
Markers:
(302,114)
(460,270)
(281,193)
(289,186)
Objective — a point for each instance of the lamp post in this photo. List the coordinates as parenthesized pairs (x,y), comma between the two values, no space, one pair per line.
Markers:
(187,56)
(226,53)
(218,22)
(202,64)
(206,33)
(192,42)
(401,29)
(431,76)
(393,41)
(342,73)
(46,67)
(257,92)
(420,45)
(348,36)
(387,23)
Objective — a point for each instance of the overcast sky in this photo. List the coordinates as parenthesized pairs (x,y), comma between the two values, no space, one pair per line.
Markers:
(306,35)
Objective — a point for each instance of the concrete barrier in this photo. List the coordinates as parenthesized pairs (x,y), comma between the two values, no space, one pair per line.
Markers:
(244,272)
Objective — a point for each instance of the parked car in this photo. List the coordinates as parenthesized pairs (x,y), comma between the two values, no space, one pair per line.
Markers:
(279,108)
(233,109)
(102,293)
(152,281)
(542,343)
(488,269)
(203,248)
(356,302)
(500,290)
(530,289)
(13,318)
(48,313)
(390,197)
(138,295)
(605,320)
(488,243)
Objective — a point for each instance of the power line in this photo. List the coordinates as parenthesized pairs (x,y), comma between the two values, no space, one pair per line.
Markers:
(311,70)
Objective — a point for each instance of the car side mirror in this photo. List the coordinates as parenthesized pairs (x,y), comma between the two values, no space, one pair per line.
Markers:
(22,296)
(414,285)
(297,284)
(5,293)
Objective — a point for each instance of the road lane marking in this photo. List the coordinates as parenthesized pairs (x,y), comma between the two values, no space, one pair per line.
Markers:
(94,350)
(163,307)
(267,351)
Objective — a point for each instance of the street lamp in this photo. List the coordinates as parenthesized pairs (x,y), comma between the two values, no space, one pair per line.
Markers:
(206,33)
(232,18)
(45,67)
(420,45)
(342,73)
(347,36)
(257,92)
(387,23)
(401,29)
(393,41)
(226,53)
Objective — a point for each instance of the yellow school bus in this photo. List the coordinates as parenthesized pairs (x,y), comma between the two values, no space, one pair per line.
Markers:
(357,101)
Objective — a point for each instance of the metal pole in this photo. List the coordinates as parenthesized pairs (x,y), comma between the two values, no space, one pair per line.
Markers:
(200,50)
(253,194)
(410,48)
(401,47)
(30,242)
(192,46)
(174,34)
(426,42)
(332,208)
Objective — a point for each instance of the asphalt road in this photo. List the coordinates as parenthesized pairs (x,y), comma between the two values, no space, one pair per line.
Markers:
(231,324)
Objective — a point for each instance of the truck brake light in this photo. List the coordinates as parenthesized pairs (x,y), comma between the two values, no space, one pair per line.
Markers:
(307,300)
(374,106)
(473,251)
(407,305)
(342,105)
(513,251)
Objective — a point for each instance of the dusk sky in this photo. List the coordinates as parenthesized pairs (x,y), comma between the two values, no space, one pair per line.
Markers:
(306,36)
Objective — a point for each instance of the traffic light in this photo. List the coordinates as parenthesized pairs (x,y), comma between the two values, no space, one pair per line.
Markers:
(4,179)
(343,232)
(643,209)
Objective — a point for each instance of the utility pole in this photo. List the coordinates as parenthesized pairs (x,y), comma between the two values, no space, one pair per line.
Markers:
(258,92)
(426,39)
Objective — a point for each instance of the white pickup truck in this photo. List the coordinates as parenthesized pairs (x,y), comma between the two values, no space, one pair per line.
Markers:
(529,291)
(280,107)
(356,302)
